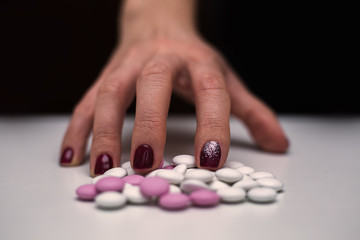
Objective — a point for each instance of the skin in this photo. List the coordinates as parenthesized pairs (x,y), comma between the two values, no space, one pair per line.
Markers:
(160,51)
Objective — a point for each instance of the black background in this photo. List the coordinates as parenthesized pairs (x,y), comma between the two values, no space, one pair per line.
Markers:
(51,52)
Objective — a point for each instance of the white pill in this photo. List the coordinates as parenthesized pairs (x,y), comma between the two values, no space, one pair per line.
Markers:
(231,195)
(246,184)
(273,183)
(228,175)
(126,164)
(247,177)
(190,185)
(216,185)
(261,194)
(116,172)
(97,178)
(246,170)
(152,173)
(133,194)
(110,200)
(170,175)
(188,160)
(199,174)
(233,164)
(181,168)
(258,175)
(130,171)
(174,189)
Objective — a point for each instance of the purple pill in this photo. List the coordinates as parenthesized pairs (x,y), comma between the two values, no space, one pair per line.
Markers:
(169,167)
(87,192)
(133,179)
(174,201)
(154,186)
(204,198)
(110,184)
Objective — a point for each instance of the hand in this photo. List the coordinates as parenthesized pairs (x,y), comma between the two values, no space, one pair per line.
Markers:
(152,66)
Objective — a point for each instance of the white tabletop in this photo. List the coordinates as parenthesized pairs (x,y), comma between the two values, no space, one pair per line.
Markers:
(321,173)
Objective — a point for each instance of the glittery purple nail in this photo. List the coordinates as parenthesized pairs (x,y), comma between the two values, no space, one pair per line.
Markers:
(210,154)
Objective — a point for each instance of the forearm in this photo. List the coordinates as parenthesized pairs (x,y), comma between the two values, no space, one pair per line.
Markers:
(156,18)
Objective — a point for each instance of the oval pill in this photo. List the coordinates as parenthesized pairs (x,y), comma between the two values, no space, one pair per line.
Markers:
(199,174)
(87,192)
(97,178)
(246,184)
(110,200)
(154,186)
(228,175)
(204,198)
(258,175)
(110,184)
(181,168)
(174,201)
(246,170)
(133,179)
(271,182)
(261,194)
(188,160)
(170,175)
(116,172)
(233,164)
(126,165)
(231,195)
(190,185)
(174,189)
(134,195)
(216,185)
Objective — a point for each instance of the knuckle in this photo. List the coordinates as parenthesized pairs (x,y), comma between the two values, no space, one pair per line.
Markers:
(158,72)
(83,110)
(105,135)
(213,123)
(211,82)
(112,87)
(149,121)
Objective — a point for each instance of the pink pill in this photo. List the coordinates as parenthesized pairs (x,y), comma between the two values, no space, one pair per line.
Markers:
(161,164)
(110,184)
(133,179)
(174,201)
(204,198)
(154,186)
(169,167)
(86,192)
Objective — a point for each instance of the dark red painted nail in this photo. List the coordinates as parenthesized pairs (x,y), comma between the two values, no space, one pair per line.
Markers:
(67,156)
(144,157)
(103,163)
(210,154)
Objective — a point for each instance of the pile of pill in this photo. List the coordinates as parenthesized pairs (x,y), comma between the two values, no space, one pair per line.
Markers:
(180,185)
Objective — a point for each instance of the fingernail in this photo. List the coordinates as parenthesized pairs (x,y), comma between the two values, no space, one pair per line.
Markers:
(103,163)
(144,157)
(210,154)
(67,156)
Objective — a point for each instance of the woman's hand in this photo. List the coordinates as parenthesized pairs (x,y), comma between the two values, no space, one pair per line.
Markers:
(154,58)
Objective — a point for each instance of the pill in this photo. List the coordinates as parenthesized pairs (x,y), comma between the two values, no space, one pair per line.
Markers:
(190,185)
(228,175)
(152,173)
(133,179)
(134,195)
(261,194)
(174,201)
(171,176)
(169,167)
(216,185)
(199,174)
(181,168)
(246,170)
(97,178)
(246,177)
(87,192)
(246,184)
(110,184)
(130,171)
(174,189)
(116,172)
(188,160)
(231,195)
(233,164)
(110,200)
(126,165)
(204,198)
(258,175)
(154,186)
(271,182)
